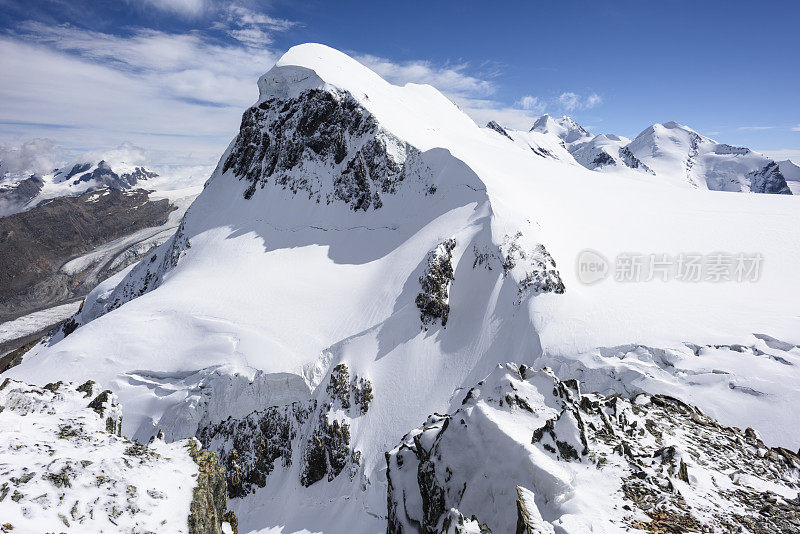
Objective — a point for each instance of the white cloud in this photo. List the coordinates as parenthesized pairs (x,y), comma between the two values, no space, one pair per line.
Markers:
(471,93)
(531,103)
(450,79)
(570,101)
(187,8)
(38,155)
(184,65)
(593,100)
(796,128)
(181,95)
(754,128)
(48,92)
(251,28)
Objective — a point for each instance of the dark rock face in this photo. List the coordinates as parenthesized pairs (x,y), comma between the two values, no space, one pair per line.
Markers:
(499,129)
(432,300)
(298,144)
(769,180)
(602,159)
(543,152)
(304,432)
(630,160)
(76,169)
(107,406)
(104,176)
(36,243)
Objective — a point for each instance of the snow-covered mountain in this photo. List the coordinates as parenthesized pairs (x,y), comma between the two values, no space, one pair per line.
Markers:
(74,179)
(668,153)
(364,255)
(566,129)
(681,156)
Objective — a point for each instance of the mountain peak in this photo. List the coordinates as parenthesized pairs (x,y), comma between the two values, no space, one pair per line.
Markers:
(565,128)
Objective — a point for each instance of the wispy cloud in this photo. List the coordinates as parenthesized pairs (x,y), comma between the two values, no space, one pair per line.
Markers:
(186,8)
(531,103)
(593,100)
(251,28)
(35,156)
(452,79)
(472,92)
(570,101)
(754,128)
(796,128)
(140,86)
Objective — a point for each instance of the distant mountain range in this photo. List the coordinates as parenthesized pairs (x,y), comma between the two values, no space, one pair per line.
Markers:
(74,179)
(668,153)
(63,232)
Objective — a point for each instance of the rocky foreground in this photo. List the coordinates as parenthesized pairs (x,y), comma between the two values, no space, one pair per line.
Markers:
(65,468)
(530,453)
(525,453)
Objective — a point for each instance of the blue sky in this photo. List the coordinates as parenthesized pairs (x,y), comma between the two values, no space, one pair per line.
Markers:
(173,76)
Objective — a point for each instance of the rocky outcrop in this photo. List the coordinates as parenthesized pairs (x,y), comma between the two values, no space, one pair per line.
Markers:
(298,144)
(433,299)
(20,193)
(315,435)
(492,125)
(208,509)
(65,464)
(667,466)
(769,180)
(630,160)
(538,270)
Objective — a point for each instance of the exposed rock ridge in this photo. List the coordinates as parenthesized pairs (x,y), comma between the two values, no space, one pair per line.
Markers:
(674,468)
(433,299)
(314,436)
(325,145)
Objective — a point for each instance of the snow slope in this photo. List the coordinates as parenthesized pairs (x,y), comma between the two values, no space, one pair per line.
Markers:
(680,156)
(323,237)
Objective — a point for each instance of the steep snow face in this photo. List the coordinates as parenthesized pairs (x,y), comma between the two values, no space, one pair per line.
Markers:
(544,145)
(607,152)
(355,222)
(680,156)
(564,128)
